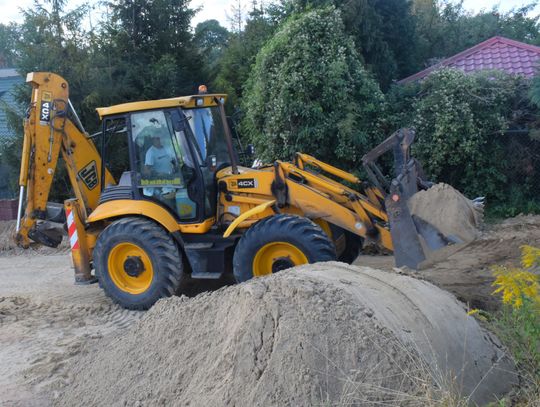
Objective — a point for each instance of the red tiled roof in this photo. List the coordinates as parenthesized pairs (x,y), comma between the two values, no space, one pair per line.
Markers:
(513,57)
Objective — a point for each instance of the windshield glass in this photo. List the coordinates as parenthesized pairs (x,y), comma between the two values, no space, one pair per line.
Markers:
(158,153)
(162,161)
(207,127)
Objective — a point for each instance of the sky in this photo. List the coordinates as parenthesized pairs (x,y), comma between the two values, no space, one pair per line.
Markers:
(219,9)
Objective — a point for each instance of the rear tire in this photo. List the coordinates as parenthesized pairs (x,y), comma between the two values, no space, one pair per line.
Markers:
(137,263)
(280,242)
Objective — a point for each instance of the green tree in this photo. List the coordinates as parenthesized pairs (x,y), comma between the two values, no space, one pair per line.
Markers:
(308,91)
(8,49)
(239,56)
(52,39)
(211,39)
(444,29)
(383,32)
(534,92)
(149,48)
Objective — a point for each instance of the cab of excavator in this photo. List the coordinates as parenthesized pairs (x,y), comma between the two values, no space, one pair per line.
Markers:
(168,155)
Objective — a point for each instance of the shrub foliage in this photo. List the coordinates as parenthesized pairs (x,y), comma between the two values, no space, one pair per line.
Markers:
(466,127)
(309,91)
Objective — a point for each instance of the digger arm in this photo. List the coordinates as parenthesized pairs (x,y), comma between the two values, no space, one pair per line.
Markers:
(322,198)
(380,212)
(51,128)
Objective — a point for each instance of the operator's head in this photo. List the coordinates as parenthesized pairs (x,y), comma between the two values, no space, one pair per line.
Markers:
(156,141)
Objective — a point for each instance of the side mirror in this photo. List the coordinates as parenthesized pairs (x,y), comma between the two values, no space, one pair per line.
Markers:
(250,150)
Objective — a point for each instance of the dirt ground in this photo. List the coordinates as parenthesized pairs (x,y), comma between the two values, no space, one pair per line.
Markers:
(467,272)
(319,334)
(45,320)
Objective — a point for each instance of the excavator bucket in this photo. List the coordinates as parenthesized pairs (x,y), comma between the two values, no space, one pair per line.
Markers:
(414,239)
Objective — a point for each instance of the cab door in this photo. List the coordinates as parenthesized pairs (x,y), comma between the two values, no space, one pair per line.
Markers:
(163,163)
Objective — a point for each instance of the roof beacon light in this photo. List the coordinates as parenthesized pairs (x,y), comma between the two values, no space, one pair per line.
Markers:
(203,89)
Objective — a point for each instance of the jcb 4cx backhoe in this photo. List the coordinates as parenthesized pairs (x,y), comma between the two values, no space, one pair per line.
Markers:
(159,193)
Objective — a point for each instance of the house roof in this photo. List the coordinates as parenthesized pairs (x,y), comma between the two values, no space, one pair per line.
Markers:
(8,73)
(513,57)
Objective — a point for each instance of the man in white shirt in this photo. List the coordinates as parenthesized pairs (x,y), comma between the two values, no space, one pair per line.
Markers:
(159,160)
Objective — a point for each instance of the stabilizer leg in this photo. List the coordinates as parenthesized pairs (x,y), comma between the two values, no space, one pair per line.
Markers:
(78,242)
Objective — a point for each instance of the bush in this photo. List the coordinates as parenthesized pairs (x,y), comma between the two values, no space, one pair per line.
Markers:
(460,121)
(308,91)
(470,133)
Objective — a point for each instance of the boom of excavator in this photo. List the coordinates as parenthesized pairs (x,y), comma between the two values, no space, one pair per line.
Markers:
(159,194)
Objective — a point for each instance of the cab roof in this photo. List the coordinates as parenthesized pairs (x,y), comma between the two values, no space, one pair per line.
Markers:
(187,102)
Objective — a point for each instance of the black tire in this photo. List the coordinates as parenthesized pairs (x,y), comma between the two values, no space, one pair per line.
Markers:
(297,231)
(353,247)
(159,247)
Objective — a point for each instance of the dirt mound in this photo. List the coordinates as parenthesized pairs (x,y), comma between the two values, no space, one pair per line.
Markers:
(449,211)
(38,337)
(336,335)
(468,272)
(9,248)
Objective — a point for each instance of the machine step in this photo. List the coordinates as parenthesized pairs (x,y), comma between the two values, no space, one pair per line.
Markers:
(198,245)
(206,275)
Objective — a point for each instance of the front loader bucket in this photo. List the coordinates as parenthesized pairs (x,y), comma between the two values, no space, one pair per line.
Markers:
(408,250)
(413,238)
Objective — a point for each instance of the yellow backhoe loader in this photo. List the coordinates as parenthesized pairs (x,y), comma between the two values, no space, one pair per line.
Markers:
(159,193)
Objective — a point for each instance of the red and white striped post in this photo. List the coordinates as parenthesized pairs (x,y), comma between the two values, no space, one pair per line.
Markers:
(77,240)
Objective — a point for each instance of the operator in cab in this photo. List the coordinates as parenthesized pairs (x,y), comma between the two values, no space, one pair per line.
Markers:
(159,160)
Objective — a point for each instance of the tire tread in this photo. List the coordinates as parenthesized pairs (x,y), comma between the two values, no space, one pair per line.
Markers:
(164,250)
(321,248)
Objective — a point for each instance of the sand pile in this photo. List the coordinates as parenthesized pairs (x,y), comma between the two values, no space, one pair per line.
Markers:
(8,246)
(449,211)
(336,335)
(7,230)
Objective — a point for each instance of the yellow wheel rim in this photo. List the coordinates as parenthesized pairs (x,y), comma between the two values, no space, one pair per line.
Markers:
(130,268)
(277,256)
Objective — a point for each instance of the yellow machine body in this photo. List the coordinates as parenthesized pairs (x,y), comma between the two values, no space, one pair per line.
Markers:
(141,230)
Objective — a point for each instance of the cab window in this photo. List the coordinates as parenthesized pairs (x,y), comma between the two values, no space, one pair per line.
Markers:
(160,156)
(115,147)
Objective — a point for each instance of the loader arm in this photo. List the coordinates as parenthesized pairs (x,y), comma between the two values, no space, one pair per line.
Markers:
(377,210)
(51,129)
(320,197)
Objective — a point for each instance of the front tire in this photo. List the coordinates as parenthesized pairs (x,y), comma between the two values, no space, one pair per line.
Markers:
(353,247)
(280,242)
(137,263)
